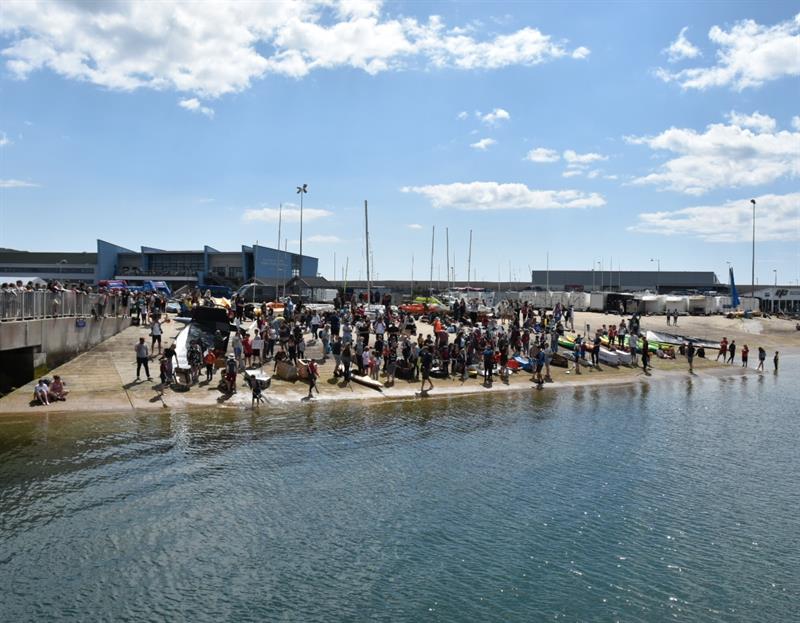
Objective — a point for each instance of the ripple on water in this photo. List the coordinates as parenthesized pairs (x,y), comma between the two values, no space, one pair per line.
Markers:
(637,503)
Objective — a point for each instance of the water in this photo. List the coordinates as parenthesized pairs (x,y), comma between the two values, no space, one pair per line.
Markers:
(674,501)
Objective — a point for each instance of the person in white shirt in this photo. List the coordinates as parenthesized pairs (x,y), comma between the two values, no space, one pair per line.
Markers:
(258,348)
(155,334)
(40,392)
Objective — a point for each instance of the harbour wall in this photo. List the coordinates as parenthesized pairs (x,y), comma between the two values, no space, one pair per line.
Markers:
(31,347)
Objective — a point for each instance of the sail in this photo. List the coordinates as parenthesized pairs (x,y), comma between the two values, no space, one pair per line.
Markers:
(735,302)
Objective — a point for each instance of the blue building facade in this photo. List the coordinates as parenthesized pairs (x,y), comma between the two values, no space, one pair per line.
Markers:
(194,266)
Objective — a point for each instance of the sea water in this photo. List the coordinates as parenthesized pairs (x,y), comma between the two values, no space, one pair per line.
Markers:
(673,500)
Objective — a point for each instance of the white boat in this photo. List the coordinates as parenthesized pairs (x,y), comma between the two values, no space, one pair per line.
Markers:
(624,357)
(608,356)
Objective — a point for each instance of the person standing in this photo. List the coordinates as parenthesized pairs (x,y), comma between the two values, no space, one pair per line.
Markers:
(142,358)
(723,349)
(762,356)
(426,361)
(690,356)
(775,362)
(488,364)
(745,355)
(155,335)
(313,373)
(731,351)
(347,359)
(596,350)
(645,354)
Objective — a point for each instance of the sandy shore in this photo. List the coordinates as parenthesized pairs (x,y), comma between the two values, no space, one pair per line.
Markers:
(104,378)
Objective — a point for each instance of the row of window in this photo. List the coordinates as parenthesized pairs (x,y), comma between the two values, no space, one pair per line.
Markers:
(24,270)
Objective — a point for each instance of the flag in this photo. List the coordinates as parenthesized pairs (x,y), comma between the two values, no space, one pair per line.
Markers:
(734,294)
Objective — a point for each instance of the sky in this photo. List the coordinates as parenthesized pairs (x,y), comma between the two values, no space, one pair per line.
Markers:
(625,135)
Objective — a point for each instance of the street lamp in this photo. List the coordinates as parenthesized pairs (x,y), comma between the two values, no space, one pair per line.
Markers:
(301,190)
(657,260)
(753,273)
(775,270)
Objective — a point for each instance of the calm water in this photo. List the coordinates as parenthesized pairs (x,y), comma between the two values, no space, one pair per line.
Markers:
(676,501)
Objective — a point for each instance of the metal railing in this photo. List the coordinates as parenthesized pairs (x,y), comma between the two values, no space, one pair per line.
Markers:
(37,304)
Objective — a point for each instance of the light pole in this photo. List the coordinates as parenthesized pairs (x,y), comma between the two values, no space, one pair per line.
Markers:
(775,271)
(753,273)
(301,190)
(657,260)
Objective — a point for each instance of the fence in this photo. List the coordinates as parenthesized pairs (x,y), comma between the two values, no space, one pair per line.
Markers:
(36,304)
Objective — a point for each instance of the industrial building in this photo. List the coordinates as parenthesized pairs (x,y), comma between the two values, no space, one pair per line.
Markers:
(625,280)
(176,267)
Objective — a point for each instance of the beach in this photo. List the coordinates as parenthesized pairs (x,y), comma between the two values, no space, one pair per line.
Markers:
(103,379)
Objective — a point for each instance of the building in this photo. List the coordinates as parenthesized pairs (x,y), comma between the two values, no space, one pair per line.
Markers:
(779,299)
(626,280)
(209,265)
(48,266)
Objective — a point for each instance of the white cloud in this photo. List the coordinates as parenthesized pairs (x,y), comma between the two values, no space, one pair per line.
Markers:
(4,140)
(576,159)
(495,117)
(681,48)
(194,105)
(777,217)
(723,156)
(414,226)
(288,215)
(581,52)
(756,121)
(593,174)
(542,154)
(749,55)
(208,49)
(462,115)
(796,123)
(483,144)
(17,184)
(497,196)
(572,173)
(610,177)
(319,238)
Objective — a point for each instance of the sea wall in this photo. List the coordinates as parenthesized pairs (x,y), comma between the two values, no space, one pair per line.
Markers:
(29,347)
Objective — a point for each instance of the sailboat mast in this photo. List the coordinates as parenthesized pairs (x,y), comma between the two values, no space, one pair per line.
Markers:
(469,259)
(430,283)
(447,251)
(366,240)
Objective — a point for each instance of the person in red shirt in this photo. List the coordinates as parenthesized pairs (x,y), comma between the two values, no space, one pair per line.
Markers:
(745,353)
(723,349)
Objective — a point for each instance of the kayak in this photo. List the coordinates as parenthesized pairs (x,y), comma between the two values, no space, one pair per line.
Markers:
(367,382)
(608,356)
(522,362)
(672,339)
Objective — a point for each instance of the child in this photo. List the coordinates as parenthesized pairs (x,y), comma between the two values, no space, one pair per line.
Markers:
(209,359)
(57,391)
(40,392)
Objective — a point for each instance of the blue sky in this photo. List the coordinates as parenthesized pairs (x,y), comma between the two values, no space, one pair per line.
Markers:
(589,131)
